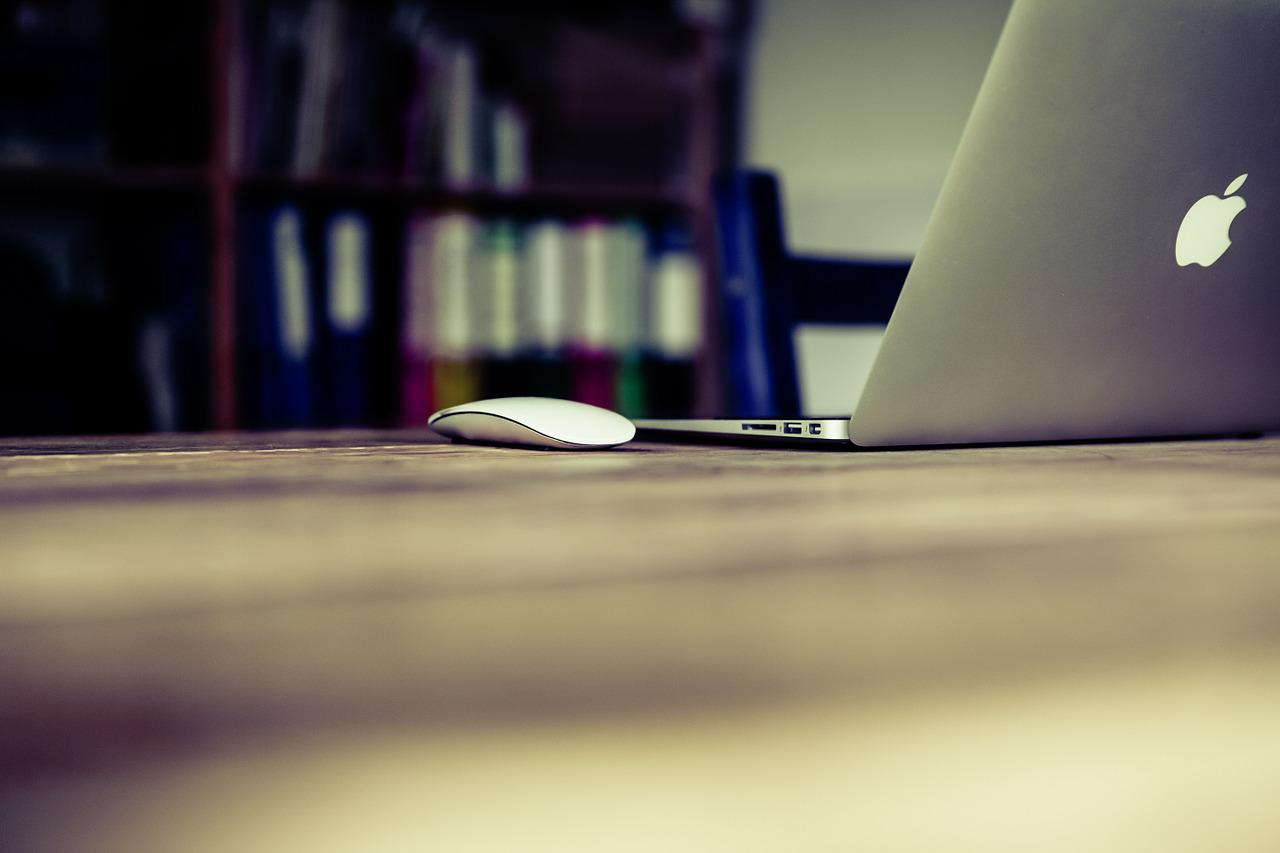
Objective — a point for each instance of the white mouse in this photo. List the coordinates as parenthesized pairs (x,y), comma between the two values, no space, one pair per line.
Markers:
(534,422)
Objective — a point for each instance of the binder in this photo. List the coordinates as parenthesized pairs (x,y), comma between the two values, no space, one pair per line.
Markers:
(278,319)
(439,363)
(498,333)
(628,262)
(543,309)
(415,325)
(756,296)
(673,328)
(592,354)
(348,314)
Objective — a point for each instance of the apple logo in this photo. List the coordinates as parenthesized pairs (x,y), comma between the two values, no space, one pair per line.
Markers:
(1203,236)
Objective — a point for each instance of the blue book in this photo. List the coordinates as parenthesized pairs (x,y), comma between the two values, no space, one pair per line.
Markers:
(757,317)
(278,319)
(348,313)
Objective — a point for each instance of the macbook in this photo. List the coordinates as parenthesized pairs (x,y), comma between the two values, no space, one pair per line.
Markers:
(1103,261)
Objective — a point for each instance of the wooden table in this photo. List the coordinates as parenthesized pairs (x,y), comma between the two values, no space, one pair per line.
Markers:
(377,641)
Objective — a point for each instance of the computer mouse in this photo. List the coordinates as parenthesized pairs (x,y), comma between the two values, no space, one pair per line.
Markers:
(534,422)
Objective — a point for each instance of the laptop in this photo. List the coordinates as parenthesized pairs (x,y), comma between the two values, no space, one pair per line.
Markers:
(1103,261)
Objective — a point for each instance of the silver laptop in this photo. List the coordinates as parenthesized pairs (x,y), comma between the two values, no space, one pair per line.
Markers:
(1104,259)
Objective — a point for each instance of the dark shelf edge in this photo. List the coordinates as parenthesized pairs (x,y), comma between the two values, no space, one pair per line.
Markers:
(578,198)
(541,197)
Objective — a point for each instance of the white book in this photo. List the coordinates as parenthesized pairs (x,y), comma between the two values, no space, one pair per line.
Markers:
(590,316)
(675,305)
(452,281)
(543,321)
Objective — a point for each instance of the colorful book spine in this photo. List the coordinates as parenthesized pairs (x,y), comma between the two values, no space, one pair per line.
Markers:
(584,311)
(456,375)
(593,361)
(440,366)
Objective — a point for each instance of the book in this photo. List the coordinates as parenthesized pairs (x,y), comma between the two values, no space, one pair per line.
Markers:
(628,259)
(498,335)
(348,311)
(439,361)
(444,114)
(334,87)
(494,308)
(415,323)
(455,365)
(277,314)
(421,48)
(592,356)
(543,309)
(276,83)
(755,295)
(321,70)
(508,136)
(392,63)
(460,154)
(673,332)
(355,130)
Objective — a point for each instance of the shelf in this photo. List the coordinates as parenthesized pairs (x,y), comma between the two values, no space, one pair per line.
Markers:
(540,199)
(582,199)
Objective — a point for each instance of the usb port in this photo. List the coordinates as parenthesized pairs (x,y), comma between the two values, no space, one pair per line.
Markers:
(765,427)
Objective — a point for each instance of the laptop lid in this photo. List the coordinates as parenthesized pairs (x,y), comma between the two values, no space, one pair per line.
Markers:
(1098,265)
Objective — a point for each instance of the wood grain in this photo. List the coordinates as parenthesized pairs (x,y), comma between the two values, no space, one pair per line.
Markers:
(168,600)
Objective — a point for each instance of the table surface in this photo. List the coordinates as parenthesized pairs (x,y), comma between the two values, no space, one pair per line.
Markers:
(204,639)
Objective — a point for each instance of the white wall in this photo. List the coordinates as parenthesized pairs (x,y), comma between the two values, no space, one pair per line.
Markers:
(859,105)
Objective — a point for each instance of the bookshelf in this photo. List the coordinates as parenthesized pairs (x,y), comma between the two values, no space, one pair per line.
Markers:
(216,180)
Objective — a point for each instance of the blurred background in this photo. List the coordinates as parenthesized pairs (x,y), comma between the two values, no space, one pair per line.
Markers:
(253,214)
(285,213)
